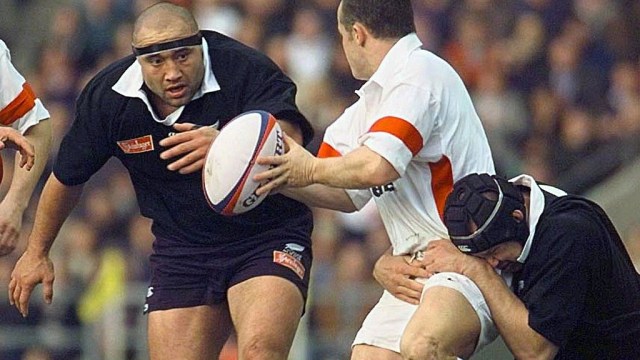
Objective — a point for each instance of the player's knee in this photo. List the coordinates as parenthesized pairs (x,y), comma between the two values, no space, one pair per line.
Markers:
(424,348)
(262,349)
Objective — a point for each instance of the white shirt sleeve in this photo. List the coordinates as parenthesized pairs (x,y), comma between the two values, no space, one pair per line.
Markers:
(335,143)
(19,107)
(401,127)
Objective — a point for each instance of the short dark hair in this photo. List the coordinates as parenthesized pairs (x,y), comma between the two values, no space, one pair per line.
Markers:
(389,19)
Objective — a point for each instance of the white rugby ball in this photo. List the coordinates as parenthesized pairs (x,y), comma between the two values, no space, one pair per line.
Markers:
(230,164)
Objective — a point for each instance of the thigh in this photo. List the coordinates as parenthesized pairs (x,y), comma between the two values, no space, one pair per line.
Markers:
(384,325)
(265,311)
(368,352)
(446,318)
(454,313)
(192,333)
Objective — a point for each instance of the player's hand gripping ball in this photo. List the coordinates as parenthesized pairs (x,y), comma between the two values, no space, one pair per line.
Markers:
(230,164)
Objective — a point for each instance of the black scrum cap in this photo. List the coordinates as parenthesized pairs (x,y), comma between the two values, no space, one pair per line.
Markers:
(488,202)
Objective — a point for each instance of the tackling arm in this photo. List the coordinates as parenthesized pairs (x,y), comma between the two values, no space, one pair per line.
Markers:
(509,313)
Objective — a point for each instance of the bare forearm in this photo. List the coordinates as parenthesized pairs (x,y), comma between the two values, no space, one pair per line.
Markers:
(510,315)
(24,181)
(359,169)
(322,196)
(55,205)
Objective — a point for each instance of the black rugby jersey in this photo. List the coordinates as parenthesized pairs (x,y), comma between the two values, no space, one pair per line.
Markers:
(579,284)
(109,124)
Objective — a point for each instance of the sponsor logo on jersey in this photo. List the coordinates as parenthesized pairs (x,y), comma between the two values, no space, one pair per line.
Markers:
(137,145)
(290,257)
(150,291)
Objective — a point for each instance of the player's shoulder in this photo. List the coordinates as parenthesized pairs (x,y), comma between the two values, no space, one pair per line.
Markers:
(425,66)
(4,51)
(572,213)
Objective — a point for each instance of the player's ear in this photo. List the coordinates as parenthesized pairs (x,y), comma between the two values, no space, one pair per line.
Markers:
(360,33)
(518,215)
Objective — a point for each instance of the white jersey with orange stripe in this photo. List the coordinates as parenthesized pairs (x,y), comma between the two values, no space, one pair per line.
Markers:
(19,106)
(417,114)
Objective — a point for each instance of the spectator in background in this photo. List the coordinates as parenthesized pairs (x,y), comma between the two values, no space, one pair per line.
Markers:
(468,51)
(308,49)
(22,110)
(217,15)
(504,118)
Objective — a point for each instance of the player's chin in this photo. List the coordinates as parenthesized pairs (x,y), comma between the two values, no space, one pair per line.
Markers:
(177,101)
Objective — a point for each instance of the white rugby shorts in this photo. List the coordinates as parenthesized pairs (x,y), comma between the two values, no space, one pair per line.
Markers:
(385,323)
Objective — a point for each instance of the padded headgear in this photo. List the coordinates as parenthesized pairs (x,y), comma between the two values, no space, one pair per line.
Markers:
(471,202)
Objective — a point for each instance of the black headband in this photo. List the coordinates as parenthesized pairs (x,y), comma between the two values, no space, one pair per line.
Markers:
(192,40)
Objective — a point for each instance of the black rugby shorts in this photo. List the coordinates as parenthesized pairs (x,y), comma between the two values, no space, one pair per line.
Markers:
(187,274)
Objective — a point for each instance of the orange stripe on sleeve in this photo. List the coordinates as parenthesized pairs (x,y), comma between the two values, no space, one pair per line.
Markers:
(441,182)
(22,104)
(402,129)
(327,151)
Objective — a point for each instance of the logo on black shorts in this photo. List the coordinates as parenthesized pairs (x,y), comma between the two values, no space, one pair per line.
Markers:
(145,309)
(291,257)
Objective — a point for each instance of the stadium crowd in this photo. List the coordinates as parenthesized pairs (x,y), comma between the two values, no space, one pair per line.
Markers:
(555,82)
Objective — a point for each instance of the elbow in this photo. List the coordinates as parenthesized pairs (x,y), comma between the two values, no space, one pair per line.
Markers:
(346,208)
(537,353)
(344,203)
(377,175)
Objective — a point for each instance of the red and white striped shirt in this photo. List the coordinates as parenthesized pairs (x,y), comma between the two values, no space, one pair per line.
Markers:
(19,106)
(416,113)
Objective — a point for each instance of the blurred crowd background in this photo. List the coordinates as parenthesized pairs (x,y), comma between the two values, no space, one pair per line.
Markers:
(555,82)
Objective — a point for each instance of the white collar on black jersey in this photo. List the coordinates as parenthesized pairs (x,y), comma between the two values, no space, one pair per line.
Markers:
(130,85)
(396,58)
(536,207)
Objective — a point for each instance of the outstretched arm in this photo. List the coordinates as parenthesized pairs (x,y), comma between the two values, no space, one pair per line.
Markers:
(34,266)
(23,183)
(360,169)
